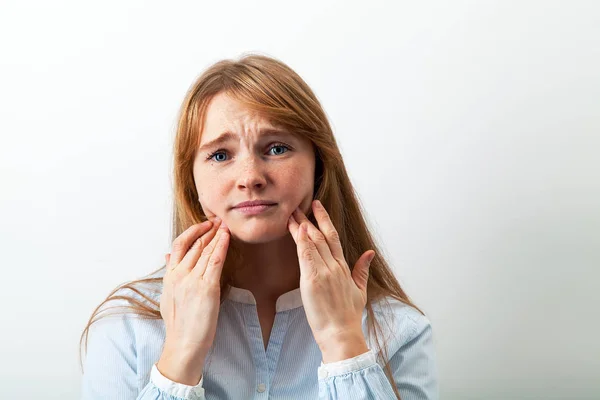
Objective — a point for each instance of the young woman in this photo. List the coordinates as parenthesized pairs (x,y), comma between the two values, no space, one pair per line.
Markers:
(274,287)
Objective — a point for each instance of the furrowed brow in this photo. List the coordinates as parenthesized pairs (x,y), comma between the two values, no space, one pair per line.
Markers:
(224,138)
(228,136)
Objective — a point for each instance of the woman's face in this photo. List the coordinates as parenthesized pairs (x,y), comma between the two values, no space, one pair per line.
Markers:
(241,158)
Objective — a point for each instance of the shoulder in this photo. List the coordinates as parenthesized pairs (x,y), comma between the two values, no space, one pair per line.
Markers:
(400,323)
(144,291)
(407,347)
(130,303)
(390,307)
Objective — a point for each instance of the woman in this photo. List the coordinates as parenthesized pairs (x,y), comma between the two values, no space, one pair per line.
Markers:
(274,287)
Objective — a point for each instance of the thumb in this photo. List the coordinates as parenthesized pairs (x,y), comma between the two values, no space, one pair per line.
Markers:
(360,273)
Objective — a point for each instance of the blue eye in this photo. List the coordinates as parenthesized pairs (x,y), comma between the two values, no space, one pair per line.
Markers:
(217,154)
(279,146)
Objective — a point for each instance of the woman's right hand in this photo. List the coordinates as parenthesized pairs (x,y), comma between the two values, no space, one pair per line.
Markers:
(190,301)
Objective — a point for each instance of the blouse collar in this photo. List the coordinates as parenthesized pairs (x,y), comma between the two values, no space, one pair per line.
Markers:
(286,301)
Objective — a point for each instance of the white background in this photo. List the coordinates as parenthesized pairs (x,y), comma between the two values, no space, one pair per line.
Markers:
(471,131)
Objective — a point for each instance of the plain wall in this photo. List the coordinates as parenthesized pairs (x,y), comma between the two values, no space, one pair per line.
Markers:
(471,131)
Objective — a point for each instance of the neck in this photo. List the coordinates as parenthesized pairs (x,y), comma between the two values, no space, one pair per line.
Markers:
(269,269)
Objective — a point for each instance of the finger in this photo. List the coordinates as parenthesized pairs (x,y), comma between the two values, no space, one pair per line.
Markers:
(307,253)
(317,238)
(328,229)
(185,240)
(205,257)
(212,273)
(293,227)
(167,257)
(191,258)
(360,272)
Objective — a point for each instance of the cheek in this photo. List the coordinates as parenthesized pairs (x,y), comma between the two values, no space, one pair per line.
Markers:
(299,180)
(211,196)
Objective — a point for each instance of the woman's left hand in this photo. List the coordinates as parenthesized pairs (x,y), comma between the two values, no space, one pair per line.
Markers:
(333,296)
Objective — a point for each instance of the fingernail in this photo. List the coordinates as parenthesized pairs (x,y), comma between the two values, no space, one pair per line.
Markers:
(217,220)
(371,257)
(223,225)
(318,204)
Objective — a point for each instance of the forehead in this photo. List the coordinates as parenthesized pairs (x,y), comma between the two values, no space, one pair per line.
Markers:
(225,113)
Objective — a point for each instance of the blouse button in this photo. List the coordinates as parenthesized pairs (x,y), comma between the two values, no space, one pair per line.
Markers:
(323,373)
(262,387)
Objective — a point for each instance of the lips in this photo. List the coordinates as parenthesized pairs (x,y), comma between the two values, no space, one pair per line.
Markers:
(254,203)
(256,209)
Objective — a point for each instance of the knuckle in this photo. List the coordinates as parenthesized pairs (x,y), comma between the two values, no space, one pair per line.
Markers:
(320,239)
(216,260)
(307,254)
(208,250)
(334,235)
(341,261)
(325,276)
(198,244)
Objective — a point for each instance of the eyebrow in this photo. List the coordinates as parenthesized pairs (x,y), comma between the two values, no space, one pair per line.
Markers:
(228,136)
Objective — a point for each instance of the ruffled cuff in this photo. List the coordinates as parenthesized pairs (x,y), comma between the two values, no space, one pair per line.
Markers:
(345,366)
(176,389)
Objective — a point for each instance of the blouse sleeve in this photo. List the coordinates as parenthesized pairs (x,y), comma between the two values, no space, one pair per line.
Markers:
(362,378)
(179,390)
(110,366)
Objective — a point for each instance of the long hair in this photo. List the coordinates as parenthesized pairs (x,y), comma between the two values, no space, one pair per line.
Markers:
(271,88)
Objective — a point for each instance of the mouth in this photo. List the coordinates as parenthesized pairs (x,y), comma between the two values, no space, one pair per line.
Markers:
(252,203)
(255,209)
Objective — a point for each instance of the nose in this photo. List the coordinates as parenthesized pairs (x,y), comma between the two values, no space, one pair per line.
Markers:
(252,176)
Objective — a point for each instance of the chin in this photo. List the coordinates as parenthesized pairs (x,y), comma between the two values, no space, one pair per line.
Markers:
(254,234)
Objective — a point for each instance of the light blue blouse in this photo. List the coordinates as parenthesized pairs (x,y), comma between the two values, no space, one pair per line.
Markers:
(123,350)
